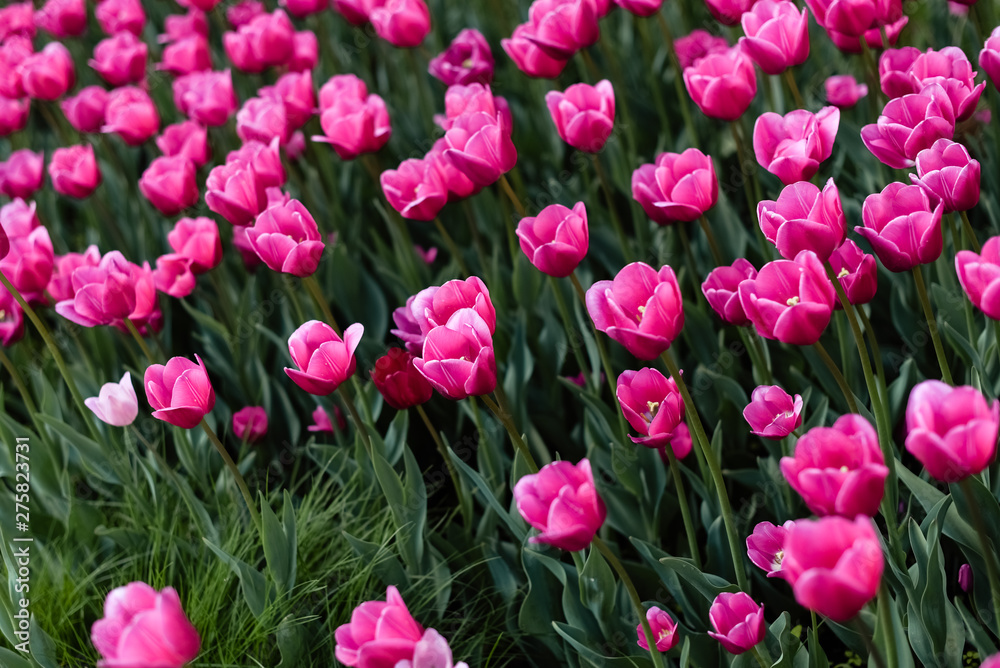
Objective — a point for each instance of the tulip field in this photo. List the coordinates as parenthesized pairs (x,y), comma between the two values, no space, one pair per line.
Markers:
(427,334)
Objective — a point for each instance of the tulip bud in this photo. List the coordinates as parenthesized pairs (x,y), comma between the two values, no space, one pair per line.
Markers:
(74,171)
(398,380)
(772,412)
(948,174)
(792,146)
(117,403)
(22,173)
(722,84)
(556,240)
(679,187)
(844,91)
(62,18)
(777,35)
(721,290)
(766,547)
(804,218)
(561,501)
(117,16)
(179,392)
(131,113)
(324,359)
(466,60)
(48,74)
(286,237)
(664,630)
(584,115)
(250,423)
(120,59)
(169,184)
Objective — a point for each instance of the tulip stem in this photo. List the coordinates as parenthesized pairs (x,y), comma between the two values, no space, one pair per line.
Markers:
(231,465)
(885,619)
(675,472)
(466,512)
(837,376)
(866,636)
(452,247)
(138,338)
(925,302)
(692,263)
(969,232)
(634,596)
(573,342)
(505,186)
(694,420)
(757,358)
(745,173)
(760,659)
(502,412)
(609,197)
(29,403)
(678,77)
(713,245)
(312,286)
(989,555)
(353,410)
(794,87)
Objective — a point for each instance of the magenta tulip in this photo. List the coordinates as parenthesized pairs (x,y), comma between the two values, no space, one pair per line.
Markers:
(804,218)
(244,11)
(729,12)
(721,290)
(353,121)
(61,285)
(949,175)
(11,317)
(17,19)
(664,630)
(13,52)
(777,35)
(792,146)
(652,404)
(738,622)
(850,17)
(263,119)
(902,227)
(844,91)
(722,84)
(250,423)
(302,8)
(179,392)
(562,502)
(205,97)
(232,192)
(458,185)
(131,114)
(402,23)
(28,264)
(415,189)
(989,57)
(287,239)
(74,171)
(323,359)
(766,547)
(856,271)
(48,74)
(173,275)
(467,60)
(980,277)
(169,184)
(696,45)
(560,28)
(13,115)
(678,187)
(266,41)
(556,240)
(188,139)
(178,27)
(85,110)
(908,70)
(379,633)
(295,90)
(265,161)
(480,147)
(528,57)
(198,240)
(428,309)
(772,412)
(62,18)
(108,293)
(466,100)
(584,115)
(458,358)
(120,59)
(872,36)
(22,173)
(305,52)
(908,125)
(185,56)
(116,16)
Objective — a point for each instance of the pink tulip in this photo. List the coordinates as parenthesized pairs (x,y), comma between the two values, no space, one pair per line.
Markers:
(131,114)
(738,622)
(379,633)
(110,292)
(850,17)
(60,285)
(201,5)
(173,275)
(179,392)
(232,192)
(766,547)
(263,119)
(664,630)
(429,255)
(62,18)
(466,100)
(28,264)
(206,97)
(13,52)
(305,52)
(908,125)
(872,36)
(22,173)
(117,16)
(323,359)
(696,45)
(13,115)
(117,403)
(951,430)
(250,423)
(243,11)
(561,501)
(353,121)
(402,23)
(198,240)
(265,159)
(120,59)
(838,470)
(834,565)
(4,243)
(777,35)
(980,277)
(556,240)
(584,115)
(640,8)
(679,187)
(528,57)
(991,662)
(48,74)
(722,84)
(321,420)
(480,147)
(17,19)
(906,71)
(458,358)
(902,227)
(266,40)
(792,146)
(185,56)
(11,317)
(948,174)
(415,189)
(772,412)
(169,184)
(301,8)
(641,309)
(295,91)
(287,239)
(458,185)
(989,57)
(721,290)
(790,300)
(143,627)
(843,90)
(85,110)
(74,171)
(804,218)
(560,28)
(178,27)
(729,12)
(466,60)
(652,404)
(856,271)
(188,139)
(428,309)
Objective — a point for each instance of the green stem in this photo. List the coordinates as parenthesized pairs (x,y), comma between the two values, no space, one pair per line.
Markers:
(866,636)
(757,358)
(837,376)
(352,409)
(231,465)
(452,246)
(312,287)
(678,78)
(925,302)
(692,263)
(713,245)
(969,232)
(760,659)
(885,619)
(466,511)
(745,174)
(814,652)
(570,330)
(989,555)
(138,338)
(694,420)
(502,411)
(794,87)
(29,403)
(505,186)
(675,472)
(615,221)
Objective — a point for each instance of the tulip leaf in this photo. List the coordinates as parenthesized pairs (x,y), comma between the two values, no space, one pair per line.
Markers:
(383,562)
(279,552)
(538,609)
(652,555)
(196,507)
(9,659)
(252,582)
(407,505)
(43,648)
(985,503)
(707,584)
(205,319)
(579,640)
(597,585)
(292,640)
(928,496)
(482,490)
(395,437)
(978,636)
(92,455)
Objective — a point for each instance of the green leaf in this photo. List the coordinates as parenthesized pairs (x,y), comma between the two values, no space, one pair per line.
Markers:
(9,659)
(278,553)
(597,585)
(483,491)
(904,657)
(43,648)
(579,639)
(977,634)
(707,584)
(395,437)
(252,581)
(928,496)
(92,455)
(985,505)
(292,640)
(384,564)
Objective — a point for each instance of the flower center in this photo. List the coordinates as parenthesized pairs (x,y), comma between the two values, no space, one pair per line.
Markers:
(651,408)
(792,301)
(844,469)
(843,272)
(779,556)
(642,312)
(467,63)
(3,314)
(663,635)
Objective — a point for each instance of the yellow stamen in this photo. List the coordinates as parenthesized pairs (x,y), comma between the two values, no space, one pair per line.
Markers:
(843,272)
(792,301)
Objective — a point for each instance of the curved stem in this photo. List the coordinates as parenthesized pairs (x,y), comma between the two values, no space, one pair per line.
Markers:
(138,338)
(447,461)
(231,465)
(352,409)
(505,186)
(925,302)
(692,263)
(452,246)
(502,413)
(837,375)
(869,643)
(609,197)
(794,87)
(713,245)
(756,352)
(678,78)
(312,286)
(689,529)
(571,327)
(760,659)
(969,232)
(989,554)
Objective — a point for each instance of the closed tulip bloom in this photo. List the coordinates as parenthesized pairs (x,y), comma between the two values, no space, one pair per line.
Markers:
(116,404)
(202,5)
(28,264)
(902,227)
(60,285)
(415,189)
(402,23)
(179,392)
(777,35)
(428,309)
(678,187)
(301,8)
(561,501)
(872,36)
(322,423)
(951,430)
(790,300)
(652,404)
(232,192)
(965,581)
(850,17)
(792,146)
(804,218)
(11,317)
(169,184)
(989,57)
(380,633)
(556,240)
(263,119)
(722,84)
(696,45)
(13,115)
(198,240)
(948,174)
(305,51)
(721,290)
(398,381)
(458,185)
(560,28)
(250,423)
(838,470)
(265,159)
(353,121)
(467,60)
(120,59)
(856,271)
(480,146)
(664,630)
(117,16)
(243,11)
(143,627)
(179,27)
(584,115)
(17,19)
(85,110)
(295,91)
(173,275)
(908,125)
(738,622)
(323,359)
(766,547)
(266,40)
(729,12)
(131,114)
(287,239)
(22,173)
(908,70)
(844,91)
(48,74)
(466,100)
(641,309)
(110,292)
(980,277)
(834,565)
(772,412)
(640,8)
(185,56)
(458,358)
(62,18)
(13,52)
(74,171)
(188,139)
(206,97)
(529,58)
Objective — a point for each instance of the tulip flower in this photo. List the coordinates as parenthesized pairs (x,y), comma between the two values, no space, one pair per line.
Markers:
(951,430)
(872,36)
(402,23)
(287,239)
(48,74)
(302,8)
(850,17)
(11,316)
(738,622)
(305,52)
(169,184)
(117,403)
(804,218)
(980,277)
(131,114)
(480,147)
(179,392)
(457,184)
(185,56)
(467,60)
(415,189)
(466,100)
(61,285)
(295,91)
(772,412)
(844,91)
(178,27)
(729,12)
(115,16)
(22,173)
(110,292)
(173,275)
(232,192)
(949,175)
(244,11)
(13,115)
(790,300)
(556,240)
(792,146)
(205,97)
(74,171)
(323,359)
(458,358)
(120,59)
(989,57)
(13,52)
(398,381)
(353,121)
(354,11)
(62,18)
(652,404)
(379,633)
(198,240)
(641,309)
(561,501)
(85,110)
(17,19)
(679,442)
(529,58)
(696,45)
(322,423)
(856,271)
(777,35)
(263,119)
(143,627)
(188,139)
(965,578)
(834,565)
(722,84)
(766,547)
(902,227)
(678,187)
(560,28)
(265,161)
(28,264)
(721,290)
(908,125)
(584,115)
(250,423)
(992,661)
(906,71)
(664,630)
(427,309)
(266,40)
